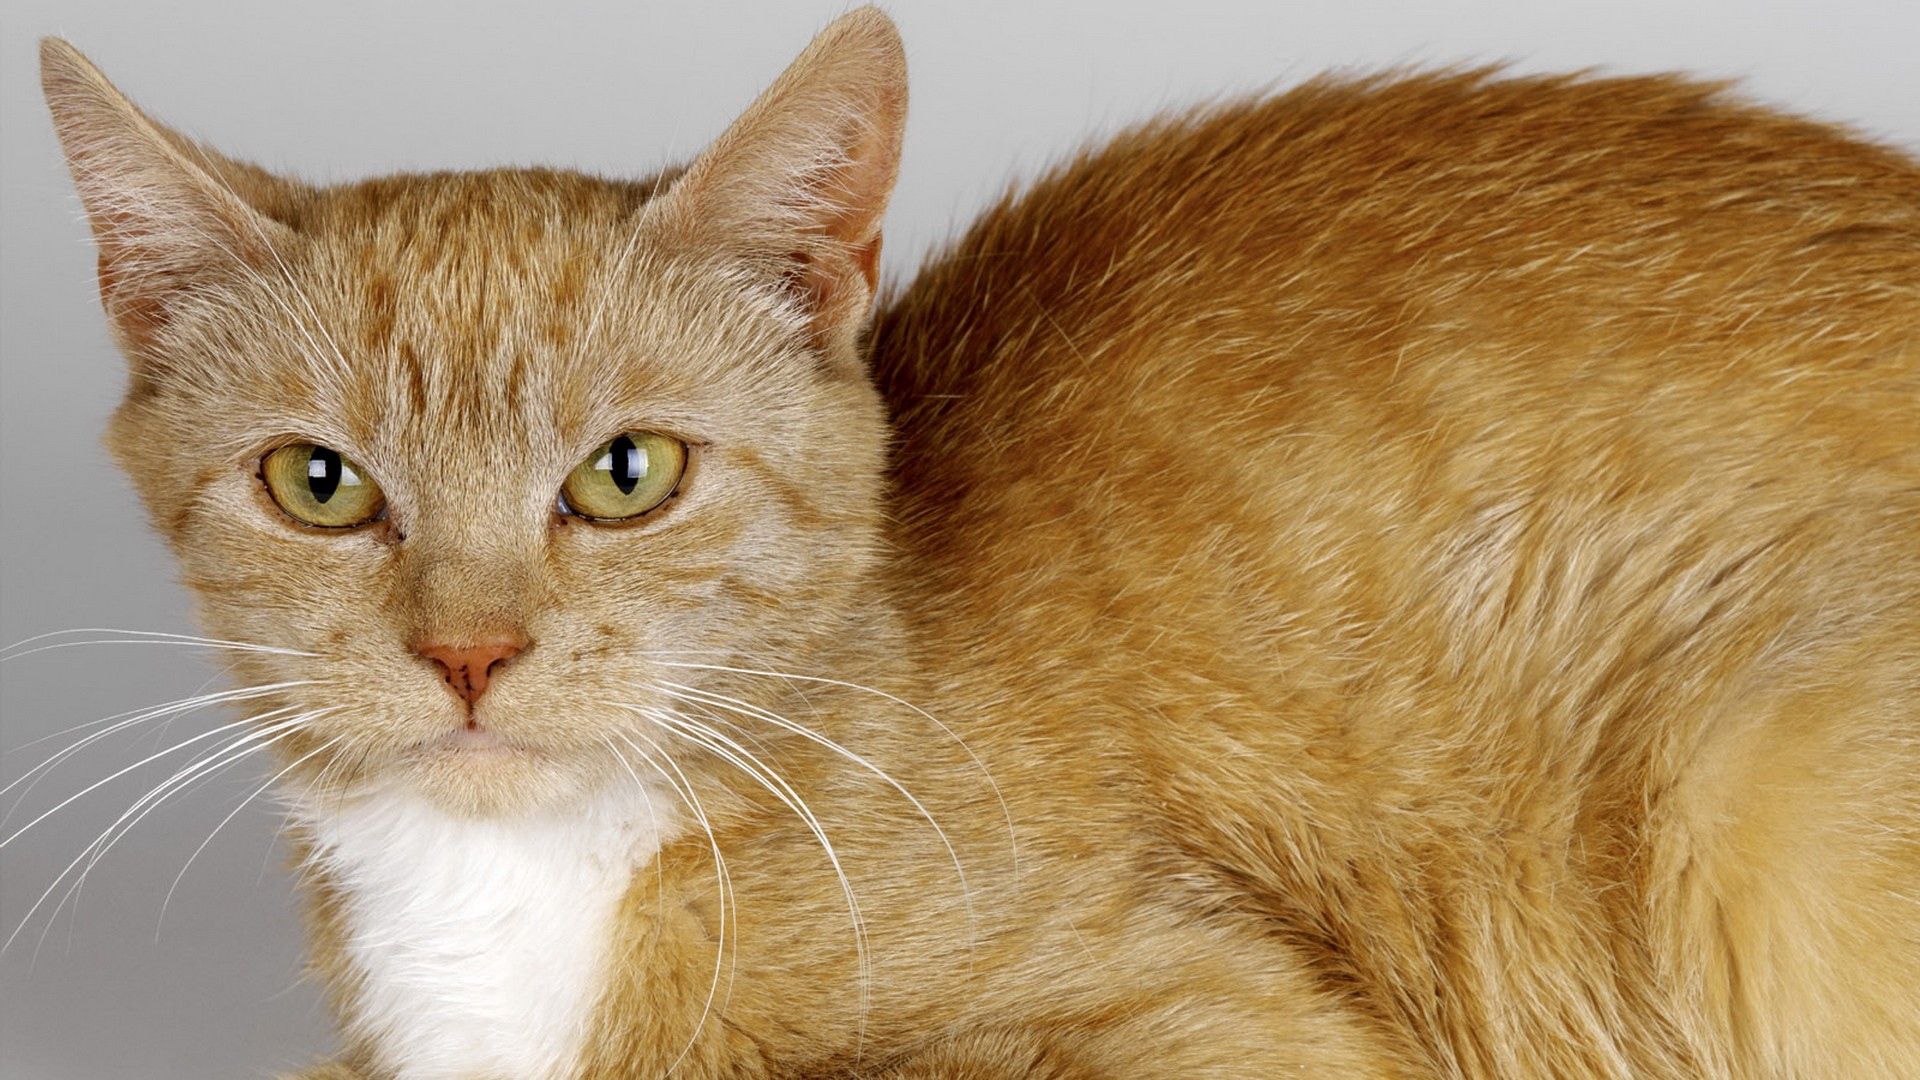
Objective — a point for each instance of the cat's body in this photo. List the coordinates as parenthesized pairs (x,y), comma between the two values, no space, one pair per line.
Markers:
(1478,525)
(1408,578)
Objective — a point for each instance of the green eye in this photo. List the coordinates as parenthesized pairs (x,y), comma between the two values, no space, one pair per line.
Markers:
(319,487)
(625,477)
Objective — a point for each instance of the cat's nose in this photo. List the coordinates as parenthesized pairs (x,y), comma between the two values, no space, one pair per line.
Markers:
(468,668)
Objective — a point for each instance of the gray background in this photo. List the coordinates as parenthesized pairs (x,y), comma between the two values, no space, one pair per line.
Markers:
(332,91)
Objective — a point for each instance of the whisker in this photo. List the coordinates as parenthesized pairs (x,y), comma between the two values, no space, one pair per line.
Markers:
(245,266)
(733,753)
(183,780)
(231,814)
(351,775)
(728,722)
(681,691)
(619,263)
(319,783)
(139,637)
(224,665)
(138,716)
(97,784)
(286,275)
(723,880)
(193,775)
(282,728)
(56,645)
(653,822)
(1005,812)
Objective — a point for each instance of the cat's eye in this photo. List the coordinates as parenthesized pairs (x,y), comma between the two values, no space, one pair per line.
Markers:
(625,477)
(318,486)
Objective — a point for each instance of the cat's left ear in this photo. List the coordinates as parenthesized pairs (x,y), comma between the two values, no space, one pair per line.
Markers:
(798,184)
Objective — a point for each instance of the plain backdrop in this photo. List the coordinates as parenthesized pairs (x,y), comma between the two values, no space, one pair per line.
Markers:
(336,90)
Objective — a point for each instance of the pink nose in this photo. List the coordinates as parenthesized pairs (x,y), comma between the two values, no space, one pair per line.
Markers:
(468,668)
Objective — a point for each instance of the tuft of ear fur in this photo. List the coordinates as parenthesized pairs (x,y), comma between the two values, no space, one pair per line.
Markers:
(167,214)
(798,184)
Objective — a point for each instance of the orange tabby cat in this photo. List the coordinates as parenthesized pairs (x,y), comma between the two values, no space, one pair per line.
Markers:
(1412,577)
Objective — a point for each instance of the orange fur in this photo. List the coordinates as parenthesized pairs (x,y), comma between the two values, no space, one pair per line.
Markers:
(1422,573)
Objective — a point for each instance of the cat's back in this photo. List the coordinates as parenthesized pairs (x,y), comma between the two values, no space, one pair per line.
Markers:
(1386,343)
(1552,241)
(1450,482)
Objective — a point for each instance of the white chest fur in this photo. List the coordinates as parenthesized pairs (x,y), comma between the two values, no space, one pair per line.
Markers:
(481,944)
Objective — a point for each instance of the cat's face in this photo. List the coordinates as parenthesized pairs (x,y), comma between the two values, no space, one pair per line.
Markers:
(463,343)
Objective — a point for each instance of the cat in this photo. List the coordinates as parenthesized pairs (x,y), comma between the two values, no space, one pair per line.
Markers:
(1412,576)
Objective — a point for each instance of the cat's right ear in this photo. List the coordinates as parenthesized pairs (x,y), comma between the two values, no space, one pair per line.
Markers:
(164,216)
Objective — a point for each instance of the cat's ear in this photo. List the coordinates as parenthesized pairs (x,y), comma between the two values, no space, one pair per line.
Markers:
(167,214)
(798,184)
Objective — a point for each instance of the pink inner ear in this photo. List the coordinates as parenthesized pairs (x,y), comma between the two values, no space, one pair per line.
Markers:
(140,313)
(822,282)
(866,258)
(839,282)
(818,284)
(144,268)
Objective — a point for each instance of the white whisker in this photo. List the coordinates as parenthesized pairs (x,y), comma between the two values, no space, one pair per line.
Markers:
(770,779)
(723,880)
(278,729)
(140,637)
(97,784)
(193,775)
(619,263)
(286,273)
(231,814)
(129,719)
(729,723)
(684,692)
(653,824)
(986,773)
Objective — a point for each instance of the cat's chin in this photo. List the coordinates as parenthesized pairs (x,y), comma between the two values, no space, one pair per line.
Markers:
(480,773)
(473,741)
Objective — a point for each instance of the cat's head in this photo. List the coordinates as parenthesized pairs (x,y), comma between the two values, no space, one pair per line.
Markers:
(477,454)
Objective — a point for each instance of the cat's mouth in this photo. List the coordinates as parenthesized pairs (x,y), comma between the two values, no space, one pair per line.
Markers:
(472,740)
(487,772)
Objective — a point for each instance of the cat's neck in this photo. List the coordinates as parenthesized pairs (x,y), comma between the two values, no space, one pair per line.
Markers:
(477,945)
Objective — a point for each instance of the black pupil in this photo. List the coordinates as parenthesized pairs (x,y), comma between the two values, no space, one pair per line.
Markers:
(323,474)
(629,464)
